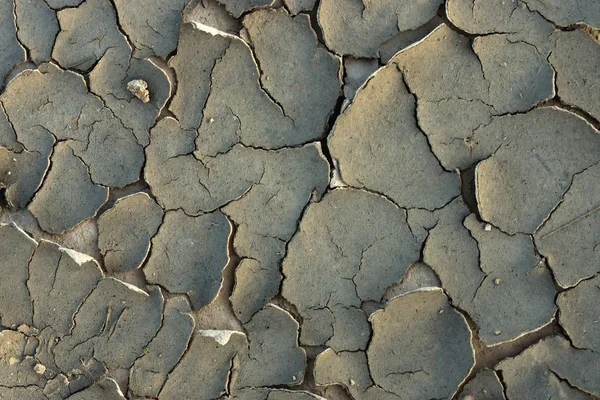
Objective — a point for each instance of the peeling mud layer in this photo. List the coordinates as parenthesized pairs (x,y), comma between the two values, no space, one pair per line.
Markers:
(299,199)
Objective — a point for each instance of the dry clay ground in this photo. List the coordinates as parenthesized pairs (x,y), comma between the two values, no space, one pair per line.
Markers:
(299,199)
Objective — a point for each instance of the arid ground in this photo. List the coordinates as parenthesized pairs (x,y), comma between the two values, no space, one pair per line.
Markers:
(299,199)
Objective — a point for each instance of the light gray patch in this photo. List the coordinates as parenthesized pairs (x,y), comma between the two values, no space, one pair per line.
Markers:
(109,80)
(357,71)
(569,238)
(519,76)
(59,281)
(68,195)
(552,368)
(423,334)
(337,259)
(349,369)
(525,178)
(211,13)
(209,379)
(106,389)
(37,28)
(125,231)
(512,18)
(359,27)
(380,147)
(579,316)
(112,326)
(86,33)
(484,386)
(274,357)
(152,26)
(577,82)
(11,51)
(15,302)
(239,7)
(441,55)
(568,12)
(297,6)
(150,371)
(189,255)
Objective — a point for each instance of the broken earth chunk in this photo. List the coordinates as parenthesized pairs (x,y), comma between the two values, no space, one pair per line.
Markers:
(86,33)
(484,386)
(113,325)
(552,368)
(68,195)
(11,51)
(239,7)
(38,27)
(274,357)
(468,259)
(347,368)
(578,82)
(106,389)
(525,178)
(152,26)
(579,314)
(150,371)
(569,238)
(16,248)
(414,343)
(205,370)
(355,263)
(125,231)
(189,255)
(358,27)
(139,88)
(380,147)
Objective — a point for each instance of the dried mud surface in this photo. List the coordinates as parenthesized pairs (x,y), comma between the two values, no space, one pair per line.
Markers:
(299,199)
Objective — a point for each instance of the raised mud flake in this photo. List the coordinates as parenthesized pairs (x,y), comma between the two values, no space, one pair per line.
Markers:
(552,368)
(579,315)
(211,13)
(274,357)
(297,6)
(353,262)
(68,195)
(205,102)
(239,7)
(15,302)
(150,371)
(17,367)
(49,104)
(113,326)
(189,254)
(125,231)
(518,74)
(380,147)
(106,389)
(490,275)
(59,281)
(525,178)
(421,346)
(11,51)
(358,27)
(86,33)
(484,386)
(513,18)
(569,12)
(578,82)
(289,56)
(38,27)
(152,26)
(349,369)
(569,238)
(206,368)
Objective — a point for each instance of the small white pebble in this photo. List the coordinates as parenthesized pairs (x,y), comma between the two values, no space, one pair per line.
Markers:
(497,332)
(487,227)
(352,383)
(39,369)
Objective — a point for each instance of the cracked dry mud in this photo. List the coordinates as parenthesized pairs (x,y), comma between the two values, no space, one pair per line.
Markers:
(299,199)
